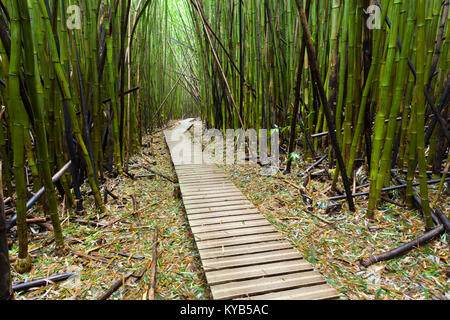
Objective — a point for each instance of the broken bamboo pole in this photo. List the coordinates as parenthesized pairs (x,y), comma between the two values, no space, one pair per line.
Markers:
(42,282)
(403,249)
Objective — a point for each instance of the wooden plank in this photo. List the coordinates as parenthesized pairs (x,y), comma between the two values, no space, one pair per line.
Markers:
(250,259)
(203,180)
(266,285)
(194,166)
(201,183)
(208,189)
(233,233)
(258,271)
(202,175)
(207,185)
(197,171)
(226,198)
(230,225)
(217,204)
(231,213)
(213,196)
(205,175)
(318,292)
(188,193)
(228,251)
(222,220)
(219,209)
(237,240)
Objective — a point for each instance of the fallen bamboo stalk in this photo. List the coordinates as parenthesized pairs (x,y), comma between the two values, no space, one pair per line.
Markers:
(403,249)
(131,176)
(42,282)
(144,176)
(39,194)
(152,283)
(402,186)
(444,219)
(112,195)
(315,164)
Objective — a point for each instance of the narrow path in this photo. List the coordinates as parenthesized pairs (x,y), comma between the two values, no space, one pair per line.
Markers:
(243,255)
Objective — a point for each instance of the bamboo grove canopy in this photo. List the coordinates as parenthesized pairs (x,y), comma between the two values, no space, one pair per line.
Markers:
(83,81)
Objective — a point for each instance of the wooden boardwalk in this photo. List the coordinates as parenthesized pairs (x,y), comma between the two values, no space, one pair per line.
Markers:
(243,255)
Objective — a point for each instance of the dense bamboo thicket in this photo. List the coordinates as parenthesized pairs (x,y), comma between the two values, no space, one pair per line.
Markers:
(83,81)
(382,70)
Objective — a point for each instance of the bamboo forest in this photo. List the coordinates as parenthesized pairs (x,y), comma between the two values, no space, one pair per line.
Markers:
(337,112)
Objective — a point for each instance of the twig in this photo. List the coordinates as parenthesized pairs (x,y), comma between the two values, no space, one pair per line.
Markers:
(86,256)
(157,173)
(127,255)
(88,223)
(116,286)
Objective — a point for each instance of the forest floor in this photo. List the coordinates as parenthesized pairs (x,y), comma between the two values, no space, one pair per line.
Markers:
(333,241)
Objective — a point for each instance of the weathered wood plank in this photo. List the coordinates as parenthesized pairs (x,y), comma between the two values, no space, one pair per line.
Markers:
(233,233)
(206,190)
(200,183)
(213,196)
(318,292)
(216,199)
(220,209)
(205,175)
(202,177)
(231,213)
(210,191)
(265,285)
(217,204)
(254,272)
(230,225)
(250,259)
(237,250)
(243,239)
(221,220)
(206,185)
